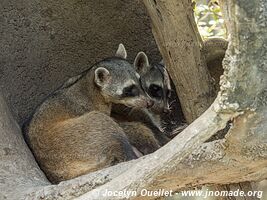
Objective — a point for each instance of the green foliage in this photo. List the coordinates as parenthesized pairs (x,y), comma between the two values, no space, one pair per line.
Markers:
(209,18)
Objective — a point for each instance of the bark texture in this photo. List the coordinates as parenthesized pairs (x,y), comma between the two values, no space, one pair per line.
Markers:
(247,51)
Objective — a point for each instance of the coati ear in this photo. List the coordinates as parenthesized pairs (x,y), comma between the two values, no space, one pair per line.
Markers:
(167,80)
(121,52)
(102,76)
(141,63)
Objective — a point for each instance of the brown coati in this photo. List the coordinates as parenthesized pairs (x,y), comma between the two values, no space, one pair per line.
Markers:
(71,133)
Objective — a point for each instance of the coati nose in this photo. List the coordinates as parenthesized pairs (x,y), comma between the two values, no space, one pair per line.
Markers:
(150,103)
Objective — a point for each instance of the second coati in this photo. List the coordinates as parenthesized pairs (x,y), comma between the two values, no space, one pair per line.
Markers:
(71,133)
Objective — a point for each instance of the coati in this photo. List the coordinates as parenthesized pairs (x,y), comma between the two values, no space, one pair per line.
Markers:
(143,127)
(71,133)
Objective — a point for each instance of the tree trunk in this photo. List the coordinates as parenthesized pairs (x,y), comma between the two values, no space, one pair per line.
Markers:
(229,9)
(187,160)
(178,39)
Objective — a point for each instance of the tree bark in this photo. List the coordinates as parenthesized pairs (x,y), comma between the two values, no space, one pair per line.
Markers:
(243,25)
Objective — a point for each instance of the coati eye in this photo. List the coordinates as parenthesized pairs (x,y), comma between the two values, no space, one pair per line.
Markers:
(155,91)
(130,91)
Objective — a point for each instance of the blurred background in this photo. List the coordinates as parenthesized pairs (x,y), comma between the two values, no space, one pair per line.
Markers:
(209,19)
